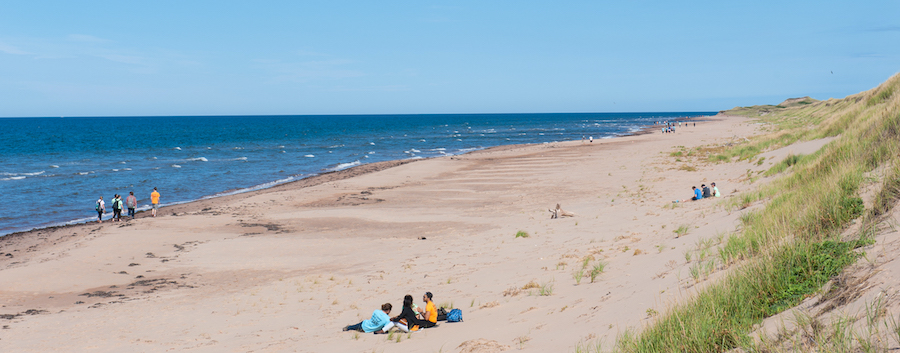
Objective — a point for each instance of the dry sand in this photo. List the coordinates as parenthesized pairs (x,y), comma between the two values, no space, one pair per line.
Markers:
(283,269)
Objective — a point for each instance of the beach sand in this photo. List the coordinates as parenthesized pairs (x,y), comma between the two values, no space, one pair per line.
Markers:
(284,269)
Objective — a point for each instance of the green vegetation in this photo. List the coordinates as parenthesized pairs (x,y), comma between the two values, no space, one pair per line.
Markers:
(788,161)
(522,234)
(681,231)
(789,249)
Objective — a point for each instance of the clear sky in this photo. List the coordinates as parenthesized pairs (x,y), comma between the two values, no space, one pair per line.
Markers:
(122,58)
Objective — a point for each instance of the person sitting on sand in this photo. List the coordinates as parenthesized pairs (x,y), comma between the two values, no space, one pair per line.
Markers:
(376,323)
(716,190)
(430,313)
(407,320)
(705,191)
(697,194)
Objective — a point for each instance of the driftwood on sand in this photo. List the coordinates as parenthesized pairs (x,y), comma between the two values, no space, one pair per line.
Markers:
(558,212)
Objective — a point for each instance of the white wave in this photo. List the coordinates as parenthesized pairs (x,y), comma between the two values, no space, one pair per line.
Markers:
(177,148)
(415,150)
(422,140)
(239,159)
(127,169)
(439,149)
(115,170)
(153,158)
(335,146)
(209,148)
(14,178)
(371,152)
(25,174)
(417,157)
(365,156)
(202,159)
(54,166)
(122,162)
(343,166)
(372,143)
(283,151)
(280,146)
(238,148)
(309,156)
(176,166)
(85,173)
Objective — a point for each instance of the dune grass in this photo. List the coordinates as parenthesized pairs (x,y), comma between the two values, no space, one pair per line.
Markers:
(788,250)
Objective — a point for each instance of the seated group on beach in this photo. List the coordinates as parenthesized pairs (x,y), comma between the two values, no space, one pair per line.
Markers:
(704,192)
(411,318)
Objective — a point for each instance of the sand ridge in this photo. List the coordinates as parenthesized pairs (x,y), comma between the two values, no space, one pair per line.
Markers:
(284,269)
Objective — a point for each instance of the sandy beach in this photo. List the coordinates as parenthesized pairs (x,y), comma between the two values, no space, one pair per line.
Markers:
(284,269)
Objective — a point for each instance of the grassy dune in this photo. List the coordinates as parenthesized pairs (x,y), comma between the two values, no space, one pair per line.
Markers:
(790,248)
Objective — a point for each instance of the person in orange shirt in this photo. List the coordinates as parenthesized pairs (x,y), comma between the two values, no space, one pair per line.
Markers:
(154,200)
(430,313)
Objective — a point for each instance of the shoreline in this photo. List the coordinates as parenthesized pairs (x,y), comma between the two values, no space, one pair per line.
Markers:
(318,179)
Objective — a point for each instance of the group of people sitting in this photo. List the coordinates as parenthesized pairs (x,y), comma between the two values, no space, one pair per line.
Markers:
(704,192)
(411,318)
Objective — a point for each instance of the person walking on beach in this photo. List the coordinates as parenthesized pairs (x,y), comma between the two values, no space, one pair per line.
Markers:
(101,208)
(154,200)
(131,203)
(117,207)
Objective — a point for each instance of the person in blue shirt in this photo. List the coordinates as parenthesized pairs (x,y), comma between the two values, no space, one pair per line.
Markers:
(698,195)
(378,320)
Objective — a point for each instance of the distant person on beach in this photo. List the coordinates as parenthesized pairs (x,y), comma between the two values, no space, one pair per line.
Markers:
(101,208)
(705,191)
(376,323)
(131,203)
(592,139)
(716,190)
(697,194)
(117,207)
(154,201)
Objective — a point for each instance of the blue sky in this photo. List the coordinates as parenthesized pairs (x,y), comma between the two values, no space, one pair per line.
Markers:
(125,58)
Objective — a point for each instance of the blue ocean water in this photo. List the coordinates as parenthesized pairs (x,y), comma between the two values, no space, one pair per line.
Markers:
(52,170)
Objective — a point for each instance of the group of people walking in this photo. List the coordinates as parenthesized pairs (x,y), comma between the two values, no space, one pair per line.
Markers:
(411,318)
(130,203)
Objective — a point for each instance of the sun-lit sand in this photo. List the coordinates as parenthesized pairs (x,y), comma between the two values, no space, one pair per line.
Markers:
(284,269)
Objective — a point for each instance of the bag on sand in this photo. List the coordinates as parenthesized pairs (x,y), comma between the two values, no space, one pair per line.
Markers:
(442,314)
(455,315)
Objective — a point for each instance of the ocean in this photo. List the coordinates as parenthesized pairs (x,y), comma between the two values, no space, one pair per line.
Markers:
(52,170)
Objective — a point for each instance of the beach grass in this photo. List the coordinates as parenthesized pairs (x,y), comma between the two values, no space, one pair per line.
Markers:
(792,247)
